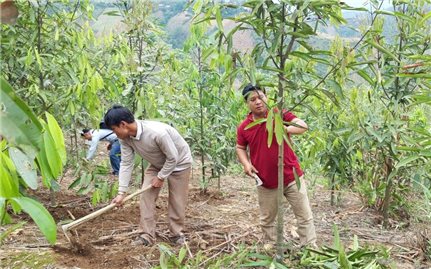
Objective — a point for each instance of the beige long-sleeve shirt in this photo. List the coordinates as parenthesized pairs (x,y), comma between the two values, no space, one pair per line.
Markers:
(158,143)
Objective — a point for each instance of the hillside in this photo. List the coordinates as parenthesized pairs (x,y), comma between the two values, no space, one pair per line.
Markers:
(172,18)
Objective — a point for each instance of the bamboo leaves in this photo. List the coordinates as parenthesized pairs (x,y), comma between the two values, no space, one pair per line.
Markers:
(383,50)
(339,256)
(270,126)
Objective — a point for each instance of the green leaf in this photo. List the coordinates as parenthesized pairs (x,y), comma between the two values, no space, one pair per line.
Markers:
(182,254)
(297,179)
(254,123)
(52,155)
(41,217)
(337,242)
(57,135)
(355,242)
(405,161)
(29,58)
(24,166)
(38,59)
(414,75)
(44,168)
(375,134)
(18,124)
(279,265)
(264,263)
(74,183)
(331,96)
(10,229)
(336,86)
(425,18)
(365,76)
(55,186)
(342,259)
(287,140)
(197,7)
(362,63)
(270,126)
(383,50)
(8,180)
(112,13)
(219,18)
(279,128)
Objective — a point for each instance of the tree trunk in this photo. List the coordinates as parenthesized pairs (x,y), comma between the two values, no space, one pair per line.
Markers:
(280,220)
(201,127)
(388,192)
(280,190)
(333,190)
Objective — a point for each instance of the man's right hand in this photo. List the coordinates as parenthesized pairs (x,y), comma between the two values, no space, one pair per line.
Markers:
(250,170)
(118,200)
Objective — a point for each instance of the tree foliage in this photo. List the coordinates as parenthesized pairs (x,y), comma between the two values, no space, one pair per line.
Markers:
(28,145)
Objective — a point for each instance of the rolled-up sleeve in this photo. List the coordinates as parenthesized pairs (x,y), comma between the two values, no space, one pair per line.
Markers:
(167,146)
(126,166)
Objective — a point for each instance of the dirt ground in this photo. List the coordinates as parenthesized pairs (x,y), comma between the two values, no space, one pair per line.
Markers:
(216,222)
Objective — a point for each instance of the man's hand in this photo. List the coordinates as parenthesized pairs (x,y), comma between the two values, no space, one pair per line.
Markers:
(249,169)
(118,200)
(157,182)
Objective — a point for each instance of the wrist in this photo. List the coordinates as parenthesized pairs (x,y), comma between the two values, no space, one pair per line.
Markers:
(160,178)
(122,193)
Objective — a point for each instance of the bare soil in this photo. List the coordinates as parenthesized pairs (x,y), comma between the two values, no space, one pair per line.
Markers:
(217,222)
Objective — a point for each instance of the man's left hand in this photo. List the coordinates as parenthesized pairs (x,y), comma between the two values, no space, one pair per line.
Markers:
(157,182)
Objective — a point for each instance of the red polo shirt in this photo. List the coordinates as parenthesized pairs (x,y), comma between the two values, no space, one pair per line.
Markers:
(266,159)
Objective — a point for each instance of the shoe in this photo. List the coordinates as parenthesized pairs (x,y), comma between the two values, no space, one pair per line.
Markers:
(141,241)
(178,239)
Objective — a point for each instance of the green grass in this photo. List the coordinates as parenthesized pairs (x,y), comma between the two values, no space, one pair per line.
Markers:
(27,259)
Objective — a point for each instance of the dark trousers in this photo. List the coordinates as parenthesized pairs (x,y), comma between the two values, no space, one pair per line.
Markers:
(115,156)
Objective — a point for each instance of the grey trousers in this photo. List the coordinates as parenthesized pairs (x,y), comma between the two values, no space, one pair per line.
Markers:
(178,185)
(300,204)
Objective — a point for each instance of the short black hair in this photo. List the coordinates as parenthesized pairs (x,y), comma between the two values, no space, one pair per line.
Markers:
(249,88)
(116,114)
(84,131)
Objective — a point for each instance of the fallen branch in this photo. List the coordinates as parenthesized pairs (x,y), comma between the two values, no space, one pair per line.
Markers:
(405,258)
(188,249)
(210,258)
(116,237)
(227,242)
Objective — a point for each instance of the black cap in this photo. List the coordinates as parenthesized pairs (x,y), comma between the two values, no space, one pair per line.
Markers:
(248,88)
(84,131)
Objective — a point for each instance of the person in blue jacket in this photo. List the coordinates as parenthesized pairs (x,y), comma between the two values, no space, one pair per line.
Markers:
(94,136)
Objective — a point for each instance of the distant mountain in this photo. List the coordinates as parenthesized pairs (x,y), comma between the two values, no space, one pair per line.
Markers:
(172,17)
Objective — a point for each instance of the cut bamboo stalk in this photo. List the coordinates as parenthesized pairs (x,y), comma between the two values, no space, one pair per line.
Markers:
(99,212)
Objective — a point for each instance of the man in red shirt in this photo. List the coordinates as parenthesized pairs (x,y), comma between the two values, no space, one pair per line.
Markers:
(263,161)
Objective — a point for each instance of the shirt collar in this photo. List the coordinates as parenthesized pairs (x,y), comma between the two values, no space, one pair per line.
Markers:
(251,117)
(138,131)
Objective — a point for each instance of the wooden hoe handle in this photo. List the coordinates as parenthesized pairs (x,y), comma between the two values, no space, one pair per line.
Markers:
(101,211)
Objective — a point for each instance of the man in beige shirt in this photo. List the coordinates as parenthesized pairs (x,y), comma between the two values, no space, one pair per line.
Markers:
(170,160)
